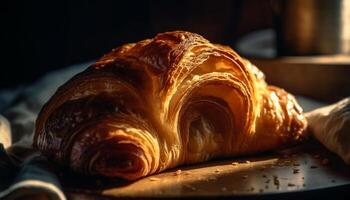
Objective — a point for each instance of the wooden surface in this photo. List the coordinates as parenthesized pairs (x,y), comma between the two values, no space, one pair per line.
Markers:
(302,169)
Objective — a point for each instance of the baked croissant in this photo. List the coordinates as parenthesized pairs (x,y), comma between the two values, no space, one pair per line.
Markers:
(162,102)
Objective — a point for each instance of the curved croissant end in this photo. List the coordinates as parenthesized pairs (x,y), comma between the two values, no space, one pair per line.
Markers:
(163,102)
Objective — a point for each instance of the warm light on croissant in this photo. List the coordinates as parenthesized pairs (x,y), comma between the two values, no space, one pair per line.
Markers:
(162,102)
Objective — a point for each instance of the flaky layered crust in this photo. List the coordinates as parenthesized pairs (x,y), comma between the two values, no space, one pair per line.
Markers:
(162,102)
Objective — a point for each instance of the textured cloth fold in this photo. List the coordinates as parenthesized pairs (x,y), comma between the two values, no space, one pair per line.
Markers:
(35,179)
(24,173)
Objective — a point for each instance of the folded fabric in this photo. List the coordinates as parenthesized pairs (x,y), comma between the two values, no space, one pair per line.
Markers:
(35,179)
(331,126)
(8,168)
(5,132)
(23,172)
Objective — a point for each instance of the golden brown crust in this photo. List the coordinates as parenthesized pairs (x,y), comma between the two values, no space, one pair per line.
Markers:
(162,102)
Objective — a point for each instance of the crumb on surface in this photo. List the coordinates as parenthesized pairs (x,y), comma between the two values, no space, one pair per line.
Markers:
(190,187)
(244,176)
(178,172)
(276,181)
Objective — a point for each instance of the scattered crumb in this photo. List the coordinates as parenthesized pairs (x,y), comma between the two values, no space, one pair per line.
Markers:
(325,161)
(201,179)
(235,163)
(247,162)
(154,179)
(178,172)
(261,190)
(245,176)
(190,187)
(291,184)
(218,170)
(276,181)
(280,164)
(252,189)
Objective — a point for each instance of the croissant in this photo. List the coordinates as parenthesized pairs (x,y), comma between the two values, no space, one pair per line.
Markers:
(163,102)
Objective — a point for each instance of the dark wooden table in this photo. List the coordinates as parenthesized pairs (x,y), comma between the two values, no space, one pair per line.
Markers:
(304,172)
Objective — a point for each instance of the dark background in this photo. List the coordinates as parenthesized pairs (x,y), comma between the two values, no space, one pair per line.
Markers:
(39,36)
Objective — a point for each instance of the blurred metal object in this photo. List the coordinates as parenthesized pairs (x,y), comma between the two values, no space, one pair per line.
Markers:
(310,27)
(324,78)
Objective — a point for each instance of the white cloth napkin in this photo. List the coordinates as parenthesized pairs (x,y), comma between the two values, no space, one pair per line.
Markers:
(5,132)
(24,173)
(331,126)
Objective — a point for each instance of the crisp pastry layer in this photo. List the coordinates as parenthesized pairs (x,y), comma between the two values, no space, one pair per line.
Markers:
(163,102)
